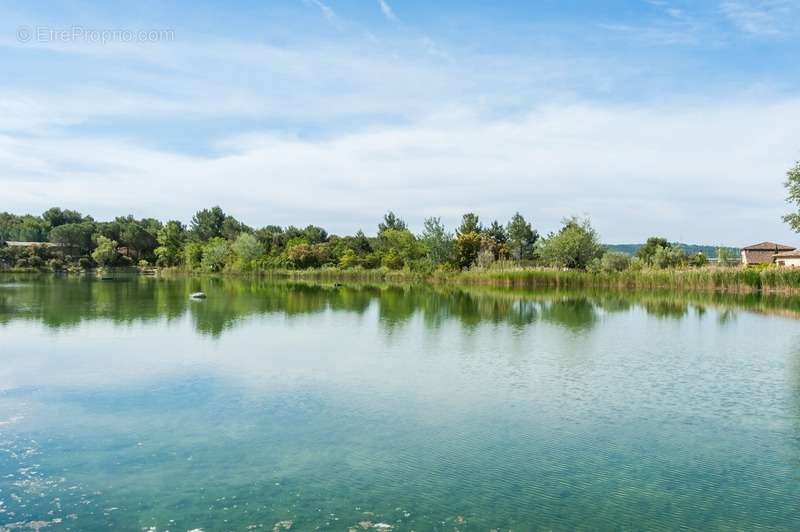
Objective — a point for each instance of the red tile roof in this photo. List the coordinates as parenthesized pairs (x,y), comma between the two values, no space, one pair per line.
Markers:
(769,246)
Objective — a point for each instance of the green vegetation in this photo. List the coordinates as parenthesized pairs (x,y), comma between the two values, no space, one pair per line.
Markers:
(792,185)
(476,253)
(689,249)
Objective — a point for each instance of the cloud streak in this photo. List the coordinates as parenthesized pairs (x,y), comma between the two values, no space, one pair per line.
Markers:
(387,10)
(770,18)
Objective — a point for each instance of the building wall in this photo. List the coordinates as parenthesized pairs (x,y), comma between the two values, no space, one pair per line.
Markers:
(758,257)
(789,262)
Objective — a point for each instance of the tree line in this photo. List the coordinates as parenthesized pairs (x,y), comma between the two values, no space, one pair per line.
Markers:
(215,241)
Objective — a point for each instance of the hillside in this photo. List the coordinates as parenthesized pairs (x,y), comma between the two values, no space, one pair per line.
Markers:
(690,249)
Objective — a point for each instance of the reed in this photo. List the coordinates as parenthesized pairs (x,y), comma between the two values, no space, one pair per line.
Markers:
(735,280)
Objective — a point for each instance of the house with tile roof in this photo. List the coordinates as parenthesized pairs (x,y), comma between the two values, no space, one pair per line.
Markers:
(763,252)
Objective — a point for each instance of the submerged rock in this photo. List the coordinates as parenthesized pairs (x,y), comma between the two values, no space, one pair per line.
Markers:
(282,525)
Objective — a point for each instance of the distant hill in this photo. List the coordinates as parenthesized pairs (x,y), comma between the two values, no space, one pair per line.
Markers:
(689,249)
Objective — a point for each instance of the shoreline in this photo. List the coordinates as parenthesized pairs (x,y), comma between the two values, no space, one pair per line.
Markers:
(773,281)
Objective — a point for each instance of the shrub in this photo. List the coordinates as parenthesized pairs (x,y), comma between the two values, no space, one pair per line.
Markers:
(614,261)
(105,254)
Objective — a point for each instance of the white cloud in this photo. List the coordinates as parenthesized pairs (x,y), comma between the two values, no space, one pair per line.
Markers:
(765,18)
(327,12)
(705,173)
(387,10)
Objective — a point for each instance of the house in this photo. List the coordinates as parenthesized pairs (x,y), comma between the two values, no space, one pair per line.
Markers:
(789,259)
(763,253)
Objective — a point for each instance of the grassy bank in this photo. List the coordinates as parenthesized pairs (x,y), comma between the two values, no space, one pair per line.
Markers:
(734,280)
(727,280)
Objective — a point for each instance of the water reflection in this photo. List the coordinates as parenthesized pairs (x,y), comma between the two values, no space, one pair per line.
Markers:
(66,302)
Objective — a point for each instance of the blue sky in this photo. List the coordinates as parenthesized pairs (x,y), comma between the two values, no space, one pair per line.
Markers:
(651,117)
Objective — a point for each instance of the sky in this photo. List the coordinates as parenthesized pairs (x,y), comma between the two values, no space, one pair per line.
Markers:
(659,117)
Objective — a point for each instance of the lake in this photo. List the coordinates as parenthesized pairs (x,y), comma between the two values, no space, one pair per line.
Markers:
(274,406)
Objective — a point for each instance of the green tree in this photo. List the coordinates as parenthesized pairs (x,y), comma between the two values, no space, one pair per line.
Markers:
(207,224)
(105,254)
(467,248)
(56,217)
(315,235)
(647,252)
(390,221)
(231,228)
(400,244)
(574,246)
(193,255)
(437,242)
(215,254)
(349,259)
(170,239)
(271,237)
(792,185)
(136,236)
(470,223)
(521,237)
(495,241)
(360,244)
(669,257)
(302,256)
(247,249)
(74,235)
(698,260)
(614,261)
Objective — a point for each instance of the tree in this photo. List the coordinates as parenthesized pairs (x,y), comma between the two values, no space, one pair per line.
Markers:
(193,254)
(349,259)
(207,224)
(360,244)
(495,242)
(470,223)
(792,185)
(135,235)
(56,217)
(669,257)
(105,254)
(271,237)
(467,247)
(232,228)
(215,254)
(400,245)
(614,261)
(438,243)
(170,239)
(496,232)
(247,248)
(26,228)
(574,246)
(648,250)
(521,237)
(77,236)
(304,255)
(390,221)
(315,235)
(698,260)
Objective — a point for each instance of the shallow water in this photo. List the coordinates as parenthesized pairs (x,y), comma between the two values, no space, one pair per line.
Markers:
(124,405)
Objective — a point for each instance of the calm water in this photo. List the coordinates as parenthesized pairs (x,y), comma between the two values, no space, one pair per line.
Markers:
(123,405)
